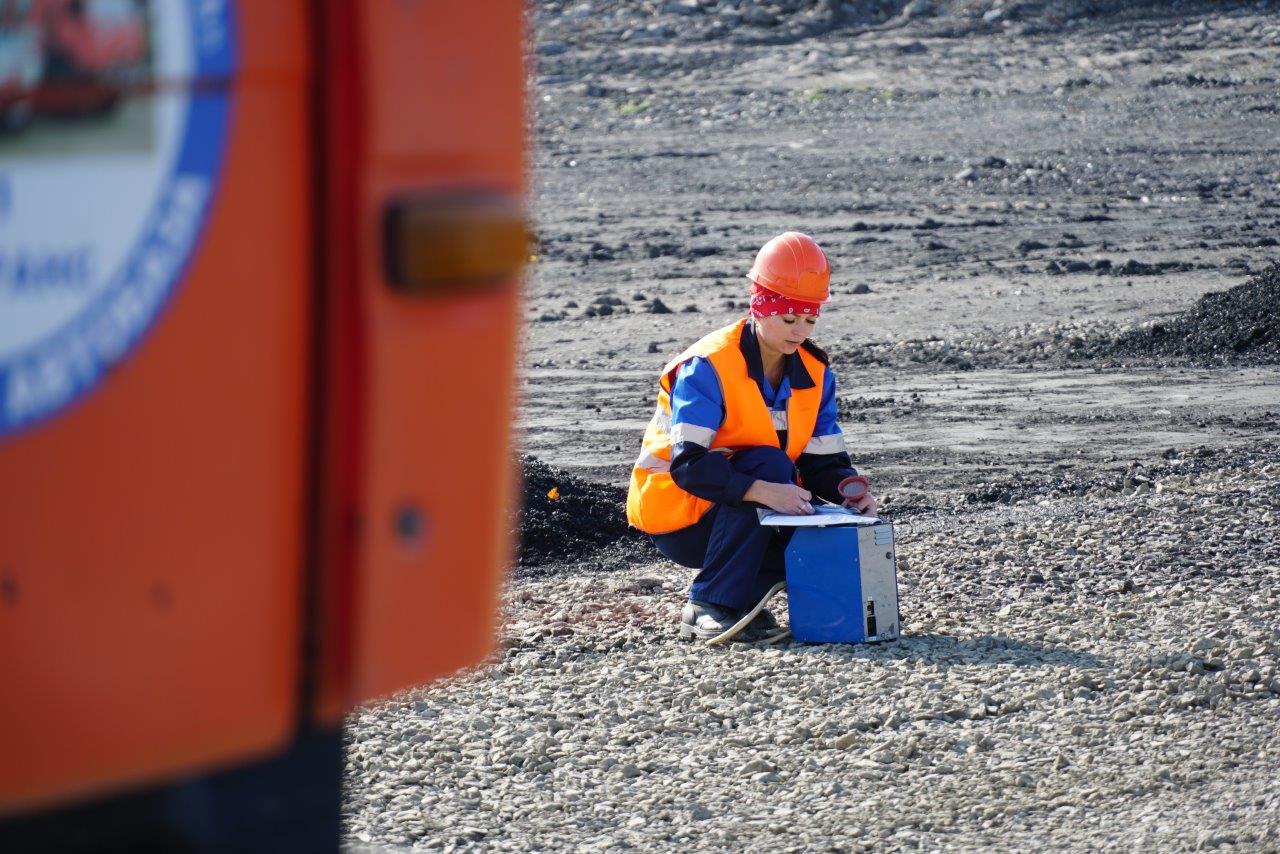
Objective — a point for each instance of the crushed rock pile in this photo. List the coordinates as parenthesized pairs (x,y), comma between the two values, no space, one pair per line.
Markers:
(1238,324)
(565,517)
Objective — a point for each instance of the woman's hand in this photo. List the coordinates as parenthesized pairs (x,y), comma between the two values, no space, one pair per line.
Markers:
(865,505)
(784,497)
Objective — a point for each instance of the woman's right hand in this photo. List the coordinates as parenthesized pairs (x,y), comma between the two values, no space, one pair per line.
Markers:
(785,498)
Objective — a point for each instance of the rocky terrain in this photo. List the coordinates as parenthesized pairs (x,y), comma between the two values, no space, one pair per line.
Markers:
(1096,673)
(1056,327)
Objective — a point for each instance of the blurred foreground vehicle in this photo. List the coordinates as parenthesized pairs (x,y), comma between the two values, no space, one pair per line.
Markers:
(68,57)
(91,49)
(257,346)
(21,62)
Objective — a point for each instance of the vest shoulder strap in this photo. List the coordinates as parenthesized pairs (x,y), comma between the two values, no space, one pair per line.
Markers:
(704,346)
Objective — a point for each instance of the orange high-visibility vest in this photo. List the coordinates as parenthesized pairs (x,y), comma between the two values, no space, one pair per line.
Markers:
(655,504)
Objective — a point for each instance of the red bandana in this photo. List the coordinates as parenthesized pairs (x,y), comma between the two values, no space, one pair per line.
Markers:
(765,303)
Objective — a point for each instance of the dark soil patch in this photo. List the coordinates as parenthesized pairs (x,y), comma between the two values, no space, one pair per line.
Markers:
(1239,324)
(566,517)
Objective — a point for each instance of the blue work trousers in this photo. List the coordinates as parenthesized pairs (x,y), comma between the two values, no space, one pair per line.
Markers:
(739,558)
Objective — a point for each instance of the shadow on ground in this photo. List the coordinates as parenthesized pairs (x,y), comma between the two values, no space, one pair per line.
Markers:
(949,650)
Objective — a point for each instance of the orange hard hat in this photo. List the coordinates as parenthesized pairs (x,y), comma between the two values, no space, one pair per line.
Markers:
(792,264)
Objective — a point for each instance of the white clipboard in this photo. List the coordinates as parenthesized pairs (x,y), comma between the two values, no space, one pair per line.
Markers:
(824,516)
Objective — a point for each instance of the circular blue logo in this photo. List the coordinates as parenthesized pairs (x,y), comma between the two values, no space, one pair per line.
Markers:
(107,175)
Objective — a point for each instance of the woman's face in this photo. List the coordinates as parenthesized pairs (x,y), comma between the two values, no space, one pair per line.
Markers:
(784,333)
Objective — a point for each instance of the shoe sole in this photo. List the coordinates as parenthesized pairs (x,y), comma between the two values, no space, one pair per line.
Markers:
(688,632)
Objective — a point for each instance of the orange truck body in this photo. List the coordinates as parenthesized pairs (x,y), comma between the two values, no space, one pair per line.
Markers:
(281,501)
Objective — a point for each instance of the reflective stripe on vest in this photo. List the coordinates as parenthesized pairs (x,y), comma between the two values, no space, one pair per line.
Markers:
(703,436)
(655,504)
(833,444)
(652,463)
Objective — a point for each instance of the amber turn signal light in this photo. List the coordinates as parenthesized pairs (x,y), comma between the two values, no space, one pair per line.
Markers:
(444,244)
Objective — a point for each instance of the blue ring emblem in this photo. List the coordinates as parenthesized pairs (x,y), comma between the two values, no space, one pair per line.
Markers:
(55,372)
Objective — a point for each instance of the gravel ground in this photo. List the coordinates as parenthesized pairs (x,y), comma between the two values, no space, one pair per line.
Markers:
(1096,673)
(1066,219)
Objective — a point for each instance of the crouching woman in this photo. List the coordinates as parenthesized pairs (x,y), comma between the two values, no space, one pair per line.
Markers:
(746,418)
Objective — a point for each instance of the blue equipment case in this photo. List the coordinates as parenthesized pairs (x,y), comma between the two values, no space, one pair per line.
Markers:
(842,584)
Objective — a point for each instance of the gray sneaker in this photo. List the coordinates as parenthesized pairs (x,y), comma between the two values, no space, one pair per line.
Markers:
(703,621)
